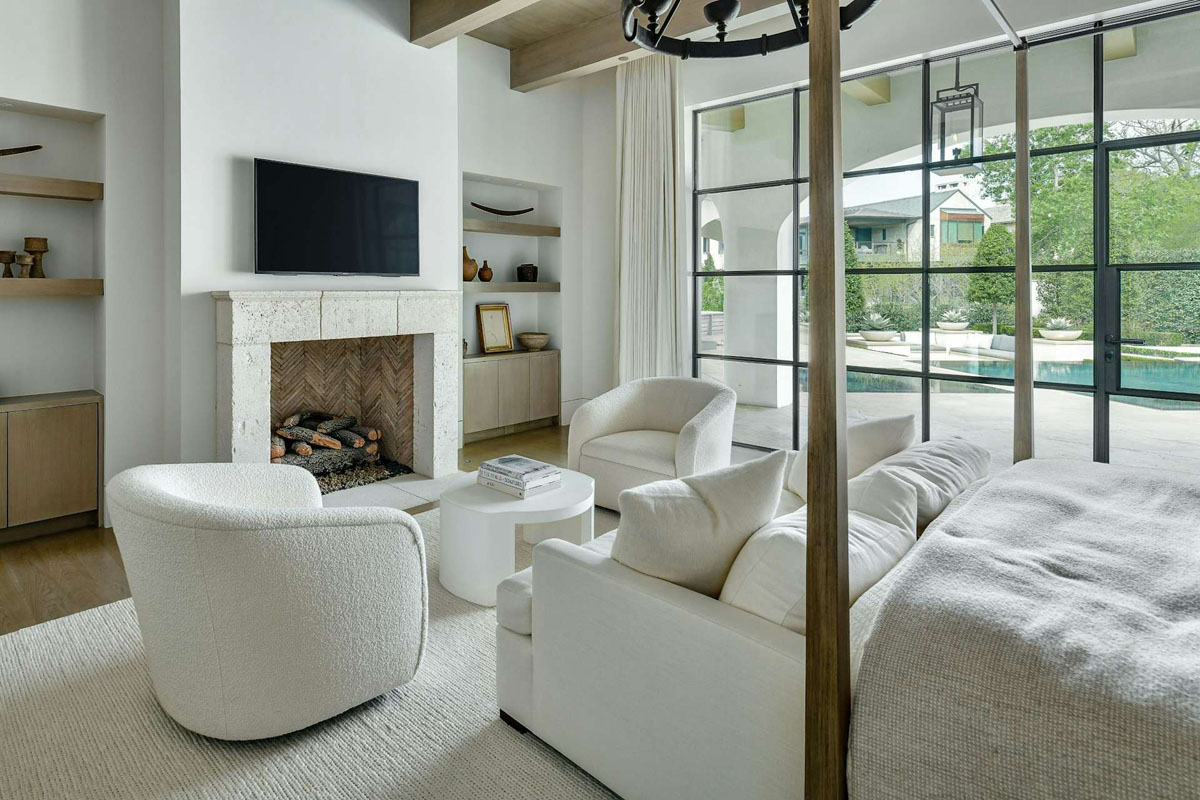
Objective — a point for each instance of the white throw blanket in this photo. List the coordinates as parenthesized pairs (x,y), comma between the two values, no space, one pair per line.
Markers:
(1041,640)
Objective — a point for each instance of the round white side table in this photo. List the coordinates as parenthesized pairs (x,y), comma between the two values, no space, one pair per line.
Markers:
(479,528)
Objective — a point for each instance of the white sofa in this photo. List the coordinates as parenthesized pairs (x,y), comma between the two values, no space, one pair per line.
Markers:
(261,611)
(651,430)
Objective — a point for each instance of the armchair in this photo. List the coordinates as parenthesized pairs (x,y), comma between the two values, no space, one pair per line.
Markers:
(261,611)
(650,430)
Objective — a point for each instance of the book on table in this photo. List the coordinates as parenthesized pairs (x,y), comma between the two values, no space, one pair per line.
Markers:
(517,492)
(519,476)
(519,467)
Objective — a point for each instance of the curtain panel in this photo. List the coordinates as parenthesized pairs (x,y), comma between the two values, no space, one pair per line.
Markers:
(647,293)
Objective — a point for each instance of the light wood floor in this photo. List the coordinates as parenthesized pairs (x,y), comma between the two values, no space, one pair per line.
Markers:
(53,576)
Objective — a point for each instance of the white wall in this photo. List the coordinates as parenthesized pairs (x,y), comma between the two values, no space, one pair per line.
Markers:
(561,136)
(105,58)
(333,84)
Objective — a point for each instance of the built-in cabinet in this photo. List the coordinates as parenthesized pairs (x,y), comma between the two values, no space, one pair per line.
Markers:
(50,462)
(509,391)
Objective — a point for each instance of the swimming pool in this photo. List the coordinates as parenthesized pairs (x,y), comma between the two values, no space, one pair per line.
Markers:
(1163,376)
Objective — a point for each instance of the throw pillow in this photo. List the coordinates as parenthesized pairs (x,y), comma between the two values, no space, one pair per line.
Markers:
(689,531)
(939,471)
(867,443)
(769,576)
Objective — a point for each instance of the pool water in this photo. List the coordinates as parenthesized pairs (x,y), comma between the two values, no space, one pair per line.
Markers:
(1163,376)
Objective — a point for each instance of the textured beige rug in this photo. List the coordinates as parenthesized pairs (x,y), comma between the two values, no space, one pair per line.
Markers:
(78,720)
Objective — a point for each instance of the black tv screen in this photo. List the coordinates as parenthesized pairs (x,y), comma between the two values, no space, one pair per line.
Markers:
(325,221)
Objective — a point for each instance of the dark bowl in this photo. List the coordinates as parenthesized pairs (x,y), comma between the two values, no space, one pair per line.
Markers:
(527,273)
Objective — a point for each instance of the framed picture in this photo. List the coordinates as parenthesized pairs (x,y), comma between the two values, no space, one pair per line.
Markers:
(495,331)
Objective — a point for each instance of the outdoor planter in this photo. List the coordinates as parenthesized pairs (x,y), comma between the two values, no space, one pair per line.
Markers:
(878,336)
(953,326)
(1060,336)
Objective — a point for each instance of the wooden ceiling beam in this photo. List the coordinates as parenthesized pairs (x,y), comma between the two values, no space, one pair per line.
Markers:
(432,22)
(600,44)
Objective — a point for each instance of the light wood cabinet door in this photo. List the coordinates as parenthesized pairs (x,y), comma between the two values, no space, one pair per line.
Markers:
(481,392)
(543,386)
(3,470)
(514,390)
(52,462)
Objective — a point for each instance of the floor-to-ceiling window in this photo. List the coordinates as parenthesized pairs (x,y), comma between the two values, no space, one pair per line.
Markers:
(929,154)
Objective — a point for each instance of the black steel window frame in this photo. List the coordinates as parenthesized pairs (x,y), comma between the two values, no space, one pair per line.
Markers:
(1105,280)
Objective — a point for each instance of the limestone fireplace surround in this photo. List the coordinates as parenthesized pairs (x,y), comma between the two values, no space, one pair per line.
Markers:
(248,322)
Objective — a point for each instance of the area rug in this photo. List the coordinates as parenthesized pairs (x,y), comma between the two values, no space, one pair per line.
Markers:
(78,720)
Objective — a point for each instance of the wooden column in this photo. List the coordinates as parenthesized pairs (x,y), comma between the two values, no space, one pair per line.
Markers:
(827,655)
(1023,383)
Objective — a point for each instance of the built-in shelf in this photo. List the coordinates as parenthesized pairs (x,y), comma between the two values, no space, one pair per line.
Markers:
(52,188)
(501,287)
(476,225)
(51,287)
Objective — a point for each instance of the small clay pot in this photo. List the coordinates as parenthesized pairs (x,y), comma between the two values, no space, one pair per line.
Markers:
(25,262)
(485,272)
(37,246)
(7,257)
(527,273)
(470,267)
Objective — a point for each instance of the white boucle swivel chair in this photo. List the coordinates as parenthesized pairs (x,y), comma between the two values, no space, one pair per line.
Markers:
(651,430)
(261,611)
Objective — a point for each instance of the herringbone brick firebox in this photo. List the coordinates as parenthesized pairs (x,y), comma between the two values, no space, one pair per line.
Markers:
(369,378)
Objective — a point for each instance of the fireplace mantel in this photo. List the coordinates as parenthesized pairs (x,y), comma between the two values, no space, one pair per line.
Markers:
(248,322)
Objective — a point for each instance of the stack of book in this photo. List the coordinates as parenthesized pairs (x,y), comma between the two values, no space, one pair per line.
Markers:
(519,476)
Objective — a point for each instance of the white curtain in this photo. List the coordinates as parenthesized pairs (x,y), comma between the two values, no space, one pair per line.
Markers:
(646,336)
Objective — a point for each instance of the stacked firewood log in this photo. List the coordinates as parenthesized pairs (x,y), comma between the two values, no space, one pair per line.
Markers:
(322,442)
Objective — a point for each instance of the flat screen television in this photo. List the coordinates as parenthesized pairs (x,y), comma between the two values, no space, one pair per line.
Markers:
(310,220)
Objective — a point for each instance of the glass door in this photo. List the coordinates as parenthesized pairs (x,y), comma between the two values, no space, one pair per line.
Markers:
(1151,297)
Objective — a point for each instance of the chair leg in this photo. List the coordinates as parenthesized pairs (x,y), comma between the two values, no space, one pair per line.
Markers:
(512,723)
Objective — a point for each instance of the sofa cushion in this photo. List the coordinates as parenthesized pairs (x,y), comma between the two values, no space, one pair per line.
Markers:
(768,578)
(867,443)
(688,531)
(514,595)
(939,471)
(652,451)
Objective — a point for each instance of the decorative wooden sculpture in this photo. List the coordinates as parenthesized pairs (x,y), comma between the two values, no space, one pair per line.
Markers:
(25,262)
(501,212)
(12,151)
(37,246)
(7,257)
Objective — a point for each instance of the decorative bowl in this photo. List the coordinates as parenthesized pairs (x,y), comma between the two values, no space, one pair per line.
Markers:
(953,326)
(533,340)
(878,336)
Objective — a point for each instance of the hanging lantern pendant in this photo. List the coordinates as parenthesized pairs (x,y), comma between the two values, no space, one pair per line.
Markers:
(957,118)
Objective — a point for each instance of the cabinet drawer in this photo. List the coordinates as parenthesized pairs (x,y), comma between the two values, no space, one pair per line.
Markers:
(480,397)
(53,456)
(514,391)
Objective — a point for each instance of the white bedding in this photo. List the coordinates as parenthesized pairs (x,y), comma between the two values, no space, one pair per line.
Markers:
(1042,639)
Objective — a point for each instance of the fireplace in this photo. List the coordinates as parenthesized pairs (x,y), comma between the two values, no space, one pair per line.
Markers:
(343,408)
(391,359)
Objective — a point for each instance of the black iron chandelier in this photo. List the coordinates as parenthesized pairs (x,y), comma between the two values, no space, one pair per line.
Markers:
(652,34)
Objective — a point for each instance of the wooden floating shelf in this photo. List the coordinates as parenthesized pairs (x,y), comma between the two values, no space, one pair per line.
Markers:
(476,225)
(51,188)
(499,287)
(51,287)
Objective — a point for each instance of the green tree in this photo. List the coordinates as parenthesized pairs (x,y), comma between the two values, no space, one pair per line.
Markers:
(712,292)
(856,301)
(997,248)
